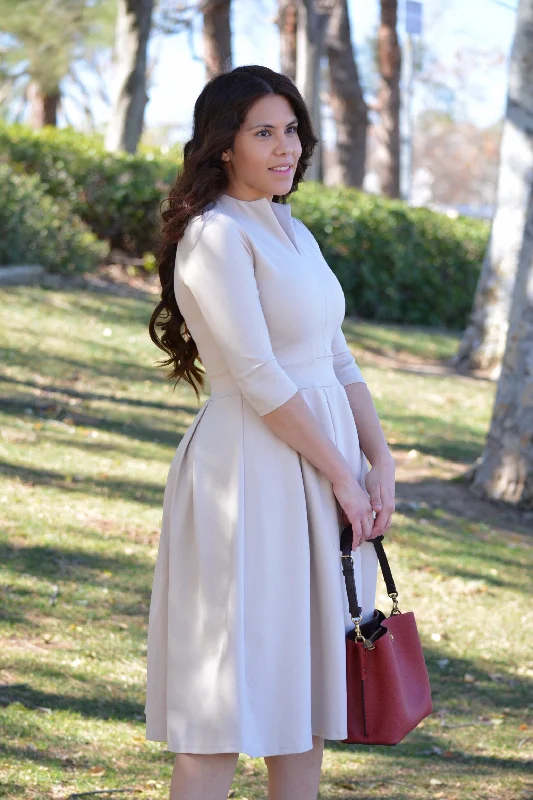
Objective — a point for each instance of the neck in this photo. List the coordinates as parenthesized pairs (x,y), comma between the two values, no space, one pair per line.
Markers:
(247,195)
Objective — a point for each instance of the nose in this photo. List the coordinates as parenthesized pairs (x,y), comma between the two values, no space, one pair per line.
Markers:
(284,146)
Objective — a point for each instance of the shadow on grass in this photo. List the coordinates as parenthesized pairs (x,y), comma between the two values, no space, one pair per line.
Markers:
(133,491)
(79,566)
(388,784)
(366,344)
(104,397)
(110,308)
(454,496)
(418,746)
(161,454)
(95,706)
(63,368)
(135,431)
(40,756)
(11,615)
(441,438)
(11,789)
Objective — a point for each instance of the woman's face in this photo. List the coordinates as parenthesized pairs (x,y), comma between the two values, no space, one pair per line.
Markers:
(268,138)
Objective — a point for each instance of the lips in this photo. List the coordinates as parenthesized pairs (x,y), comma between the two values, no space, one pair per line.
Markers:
(282,169)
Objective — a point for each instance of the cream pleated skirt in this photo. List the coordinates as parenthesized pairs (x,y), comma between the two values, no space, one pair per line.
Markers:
(246,639)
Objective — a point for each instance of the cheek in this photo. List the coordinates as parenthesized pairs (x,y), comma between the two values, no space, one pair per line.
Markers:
(257,156)
(249,155)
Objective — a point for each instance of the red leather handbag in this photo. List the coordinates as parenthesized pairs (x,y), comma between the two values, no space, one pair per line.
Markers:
(386,674)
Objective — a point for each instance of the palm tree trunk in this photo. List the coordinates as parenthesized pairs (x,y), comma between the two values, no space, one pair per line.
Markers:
(287,21)
(346,98)
(43,105)
(217,37)
(134,20)
(313,18)
(388,131)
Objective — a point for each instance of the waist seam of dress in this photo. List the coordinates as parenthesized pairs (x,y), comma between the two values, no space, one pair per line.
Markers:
(217,396)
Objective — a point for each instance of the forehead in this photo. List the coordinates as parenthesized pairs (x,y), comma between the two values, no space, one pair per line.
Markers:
(273,109)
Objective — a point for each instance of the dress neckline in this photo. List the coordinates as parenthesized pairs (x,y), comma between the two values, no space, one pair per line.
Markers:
(258,201)
(282,213)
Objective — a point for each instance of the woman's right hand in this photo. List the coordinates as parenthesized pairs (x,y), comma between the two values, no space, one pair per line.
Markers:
(356,507)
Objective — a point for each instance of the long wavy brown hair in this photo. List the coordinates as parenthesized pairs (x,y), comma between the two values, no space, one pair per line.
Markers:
(219,112)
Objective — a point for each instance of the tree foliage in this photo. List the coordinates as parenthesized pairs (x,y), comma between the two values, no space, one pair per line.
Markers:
(42,39)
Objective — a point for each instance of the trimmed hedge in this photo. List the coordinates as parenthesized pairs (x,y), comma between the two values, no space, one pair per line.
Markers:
(116,194)
(395,263)
(37,229)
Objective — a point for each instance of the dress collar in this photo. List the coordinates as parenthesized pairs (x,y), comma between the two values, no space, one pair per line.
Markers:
(271,212)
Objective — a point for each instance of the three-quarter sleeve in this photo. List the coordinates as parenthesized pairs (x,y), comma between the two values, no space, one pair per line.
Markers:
(344,363)
(216,264)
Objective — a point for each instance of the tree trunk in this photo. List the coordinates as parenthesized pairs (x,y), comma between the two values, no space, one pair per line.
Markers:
(505,469)
(217,37)
(483,341)
(346,97)
(388,131)
(287,20)
(134,21)
(311,33)
(43,105)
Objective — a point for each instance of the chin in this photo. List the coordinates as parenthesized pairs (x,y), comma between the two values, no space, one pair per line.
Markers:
(280,187)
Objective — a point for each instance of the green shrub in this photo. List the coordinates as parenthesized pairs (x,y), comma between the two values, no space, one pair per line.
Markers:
(395,263)
(38,229)
(117,194)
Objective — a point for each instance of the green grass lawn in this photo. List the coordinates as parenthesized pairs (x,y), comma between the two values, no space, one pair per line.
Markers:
(88,430)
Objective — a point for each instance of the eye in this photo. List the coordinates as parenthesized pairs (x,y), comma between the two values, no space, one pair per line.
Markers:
(265,130)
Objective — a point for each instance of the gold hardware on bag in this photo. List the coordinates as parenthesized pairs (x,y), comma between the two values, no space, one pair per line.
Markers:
(358,634)
(394,598)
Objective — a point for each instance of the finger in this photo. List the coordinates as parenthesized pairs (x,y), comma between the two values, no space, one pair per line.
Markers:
(357,535)
(367,526)
(375,497)
(379,523)
(389,522)
(388,503)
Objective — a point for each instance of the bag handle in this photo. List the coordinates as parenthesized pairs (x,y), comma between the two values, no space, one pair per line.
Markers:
(348,572)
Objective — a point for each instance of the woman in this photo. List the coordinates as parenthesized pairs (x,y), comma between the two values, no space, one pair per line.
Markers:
(246,640)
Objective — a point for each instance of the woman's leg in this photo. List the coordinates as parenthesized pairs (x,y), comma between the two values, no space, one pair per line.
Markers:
(295,776)
(202,777)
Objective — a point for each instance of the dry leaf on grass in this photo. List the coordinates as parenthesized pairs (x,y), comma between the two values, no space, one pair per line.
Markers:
(97,770)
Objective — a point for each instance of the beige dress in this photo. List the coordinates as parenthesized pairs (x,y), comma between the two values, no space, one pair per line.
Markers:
(246,639)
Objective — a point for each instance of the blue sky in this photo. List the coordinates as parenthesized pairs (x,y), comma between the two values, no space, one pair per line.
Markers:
(453,31)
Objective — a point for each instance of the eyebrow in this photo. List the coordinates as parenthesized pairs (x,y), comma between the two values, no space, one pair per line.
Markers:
(267,125)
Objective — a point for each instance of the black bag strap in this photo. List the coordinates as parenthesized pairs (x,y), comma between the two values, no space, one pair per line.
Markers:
(348,570)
